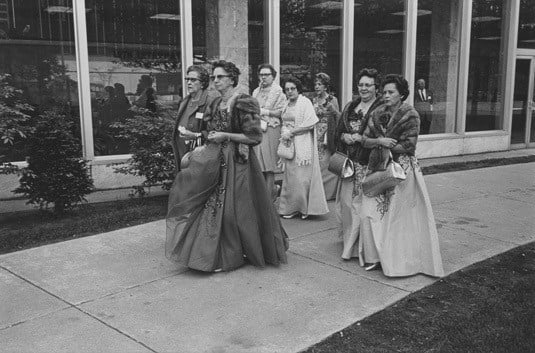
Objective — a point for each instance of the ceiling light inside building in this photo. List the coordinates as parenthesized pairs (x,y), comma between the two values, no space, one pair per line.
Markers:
(420,13)
(166,16)
(485,19)
(331,5)
(58,9)
(489,38)
(327,27)
(390,31)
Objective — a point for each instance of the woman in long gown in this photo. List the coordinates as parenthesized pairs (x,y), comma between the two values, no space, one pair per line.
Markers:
(348,138)
(220,213)
(302,188)
(272,100)
(398,231)
(327,110)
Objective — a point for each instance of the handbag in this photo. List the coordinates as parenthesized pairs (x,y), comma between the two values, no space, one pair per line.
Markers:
(378,182)
(286,149)
(341,165)
(263,125)
(193,145)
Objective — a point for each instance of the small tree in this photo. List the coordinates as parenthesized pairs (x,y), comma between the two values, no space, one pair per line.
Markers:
(149,136)
(14,121)
(55,173)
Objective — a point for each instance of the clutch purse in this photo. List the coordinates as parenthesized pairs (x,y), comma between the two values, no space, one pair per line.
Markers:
(378,182)
(194,146)
(286,149)
(341,165)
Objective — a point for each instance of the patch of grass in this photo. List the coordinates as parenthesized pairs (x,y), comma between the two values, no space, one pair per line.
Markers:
(492,162)
(21,230)
(487,307)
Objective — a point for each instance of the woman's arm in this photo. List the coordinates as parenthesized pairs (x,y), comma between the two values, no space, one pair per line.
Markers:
(220,136)
(368,142)
(408,146)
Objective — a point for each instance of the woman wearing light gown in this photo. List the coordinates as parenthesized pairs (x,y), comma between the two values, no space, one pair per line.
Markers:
(220,214)
(302,188)
(398,231)
(348,135)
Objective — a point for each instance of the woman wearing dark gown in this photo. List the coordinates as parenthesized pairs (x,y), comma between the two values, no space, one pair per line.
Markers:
(220,214)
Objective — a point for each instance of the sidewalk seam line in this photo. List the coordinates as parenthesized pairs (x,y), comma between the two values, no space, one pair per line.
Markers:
(79,309)
(482,235)
(351,273)
(308,234)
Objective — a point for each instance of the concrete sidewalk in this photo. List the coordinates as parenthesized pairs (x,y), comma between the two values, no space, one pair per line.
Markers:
(115,292)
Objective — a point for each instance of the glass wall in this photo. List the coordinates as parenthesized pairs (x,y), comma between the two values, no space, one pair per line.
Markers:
(378,36)
(521,101)
(38,54)
(485,75)
(437,64)
(526,24)
(257,36)
(310,41)
(134,60)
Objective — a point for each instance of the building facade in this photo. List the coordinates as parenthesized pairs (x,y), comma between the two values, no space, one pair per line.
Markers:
(476,57)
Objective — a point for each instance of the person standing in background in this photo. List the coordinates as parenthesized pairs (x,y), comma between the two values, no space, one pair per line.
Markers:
(423,103)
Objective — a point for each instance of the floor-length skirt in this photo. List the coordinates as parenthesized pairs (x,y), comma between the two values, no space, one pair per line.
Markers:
(266,151)
(348,204)
(399,230)
(220,213)
(330,180)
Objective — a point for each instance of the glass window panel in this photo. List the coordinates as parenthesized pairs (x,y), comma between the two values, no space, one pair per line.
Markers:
(310,41)
(526,25)
(134,59)
(37,51)
(485,99)
(258,49)
(378,36)
(221,32)
(437,63)
(520,101)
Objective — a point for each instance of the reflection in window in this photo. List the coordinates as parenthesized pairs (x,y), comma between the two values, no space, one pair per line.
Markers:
(258,52)
(134,60)
(221,31)
(37,41)
(485,74)
(437,62)
(310,37)
(378,36)
(526,25)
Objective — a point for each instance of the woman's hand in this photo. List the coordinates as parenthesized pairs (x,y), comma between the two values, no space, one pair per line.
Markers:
(217,136)
(186,134)
(387,142)
(347,139)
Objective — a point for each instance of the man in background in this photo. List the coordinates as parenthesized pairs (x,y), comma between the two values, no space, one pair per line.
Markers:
(423,103)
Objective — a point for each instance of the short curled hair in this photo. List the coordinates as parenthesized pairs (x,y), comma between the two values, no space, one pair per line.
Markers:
(323,78)
(371,73)
(297,82)
(401,84)
(230,68)
(204,76)
(268,66)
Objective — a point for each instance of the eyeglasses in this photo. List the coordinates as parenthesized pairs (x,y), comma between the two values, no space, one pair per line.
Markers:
(219,77)
(289,89)
(192,79)
(264,75)
(367,85)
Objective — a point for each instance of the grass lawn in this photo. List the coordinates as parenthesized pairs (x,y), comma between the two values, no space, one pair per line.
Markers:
(487,307)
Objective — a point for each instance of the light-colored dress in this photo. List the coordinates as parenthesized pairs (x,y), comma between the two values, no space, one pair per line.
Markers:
(302,187)
(270,98)
(327,113)
(398,227)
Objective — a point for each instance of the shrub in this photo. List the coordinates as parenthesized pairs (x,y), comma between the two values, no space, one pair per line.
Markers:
(150,139)
(55,173)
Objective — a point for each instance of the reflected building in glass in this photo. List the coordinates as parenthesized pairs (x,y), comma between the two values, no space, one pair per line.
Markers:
(470,63)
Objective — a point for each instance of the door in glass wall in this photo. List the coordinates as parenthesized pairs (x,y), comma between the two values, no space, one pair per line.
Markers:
(233,30)
(134,65)
(437,64)
(523,124)
(310,42)
(37,67)
(378,36)
(526,25)
(486,71)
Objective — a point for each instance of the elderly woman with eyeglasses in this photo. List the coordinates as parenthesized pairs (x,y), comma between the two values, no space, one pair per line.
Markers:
(187,132)
(302,188)
(272,100)
(220,214)
(348,137)
(328,111)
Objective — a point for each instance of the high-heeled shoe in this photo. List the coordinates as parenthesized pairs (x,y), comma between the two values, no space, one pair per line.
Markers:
(291,215)
(304,216)
(372,267)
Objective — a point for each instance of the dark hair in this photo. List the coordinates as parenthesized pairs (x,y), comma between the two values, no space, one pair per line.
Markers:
(119,88)
(297,82)
(401,84)
(268,66)
(323,78)
(371,73)
(204,76)
(230,68)
(110,90)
